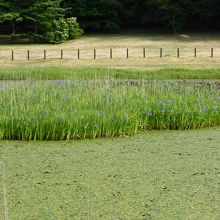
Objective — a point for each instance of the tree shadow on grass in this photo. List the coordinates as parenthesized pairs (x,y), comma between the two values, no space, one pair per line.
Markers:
(7,40)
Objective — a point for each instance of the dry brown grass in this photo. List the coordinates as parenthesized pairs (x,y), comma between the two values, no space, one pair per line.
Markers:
(119,43)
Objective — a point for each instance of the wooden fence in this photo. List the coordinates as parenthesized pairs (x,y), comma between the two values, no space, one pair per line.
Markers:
(60,54)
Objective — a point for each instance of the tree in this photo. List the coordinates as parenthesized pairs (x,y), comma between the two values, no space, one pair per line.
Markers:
(10,12)
(42,14)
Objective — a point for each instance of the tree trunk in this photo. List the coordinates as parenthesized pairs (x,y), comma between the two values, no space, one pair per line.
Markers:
(174,24)
(35,29)
(35,32)
(13,30)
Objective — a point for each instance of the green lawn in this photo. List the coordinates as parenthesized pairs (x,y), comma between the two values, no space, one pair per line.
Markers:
(157,175)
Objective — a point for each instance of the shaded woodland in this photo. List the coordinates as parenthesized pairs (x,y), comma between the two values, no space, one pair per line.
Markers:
(58,20)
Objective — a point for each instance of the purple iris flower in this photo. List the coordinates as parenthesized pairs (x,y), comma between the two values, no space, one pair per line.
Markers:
(163,110)
(149,114)
(217,98)
(101,113)
(124,118)
(45,112)
(215,107)
(95,123)
(161,103)
(59,82)
(169,101)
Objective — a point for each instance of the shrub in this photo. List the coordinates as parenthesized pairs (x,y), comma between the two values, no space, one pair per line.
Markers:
(74,29)
(63,29)
(59,32)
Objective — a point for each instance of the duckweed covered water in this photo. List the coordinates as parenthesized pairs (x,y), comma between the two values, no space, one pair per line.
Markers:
(156,175)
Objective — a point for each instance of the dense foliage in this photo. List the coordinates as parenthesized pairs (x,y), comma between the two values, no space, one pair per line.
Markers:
(111,15)
(47,19)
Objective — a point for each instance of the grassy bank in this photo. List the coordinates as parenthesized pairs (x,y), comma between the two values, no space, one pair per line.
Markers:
(66,110)
(158,175)
(56,73)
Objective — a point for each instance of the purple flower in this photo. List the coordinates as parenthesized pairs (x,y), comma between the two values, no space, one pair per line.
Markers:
(215,107)
(59,82)
(62,120)
(204,109)
(2,88)
(95,123)
(101,113)
(149,114)
(217,98)
(163,110)
(161,103)
(113,118)
(169,101)
(124,118)
(45,112)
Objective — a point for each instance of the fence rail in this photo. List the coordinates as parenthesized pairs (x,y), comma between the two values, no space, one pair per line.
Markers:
(94,54)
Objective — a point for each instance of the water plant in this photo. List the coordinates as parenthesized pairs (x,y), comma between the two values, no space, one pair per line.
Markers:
(67,110)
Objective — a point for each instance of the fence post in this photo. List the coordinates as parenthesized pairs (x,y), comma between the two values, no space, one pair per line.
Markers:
(161,52)
(28,54)
(212,52)
(12,55)
(127,53)
(195,52)
(78,54)
(61,54)
(144,52)
(178,52)
(94,54)
(110,53)
(45,54)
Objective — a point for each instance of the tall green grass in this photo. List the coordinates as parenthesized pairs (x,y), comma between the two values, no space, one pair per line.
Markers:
(79,109)
(55,73)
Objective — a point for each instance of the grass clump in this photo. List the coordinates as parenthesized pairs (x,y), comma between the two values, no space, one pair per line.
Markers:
(67,110)
(56,73)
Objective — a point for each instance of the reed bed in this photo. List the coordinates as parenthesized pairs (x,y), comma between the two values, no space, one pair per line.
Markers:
(80,109)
